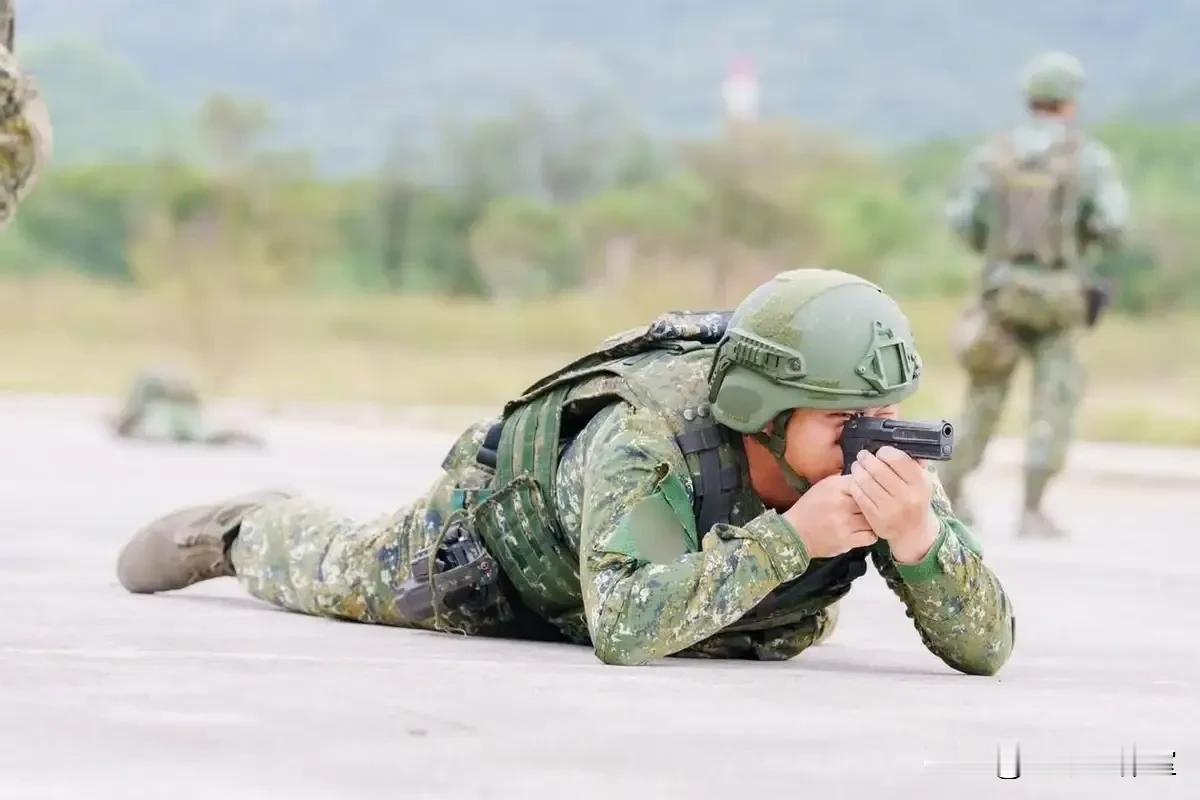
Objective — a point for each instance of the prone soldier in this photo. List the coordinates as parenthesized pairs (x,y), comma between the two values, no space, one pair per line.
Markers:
(679,491)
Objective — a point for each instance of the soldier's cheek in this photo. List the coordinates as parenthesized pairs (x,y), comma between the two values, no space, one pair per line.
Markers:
(828,461)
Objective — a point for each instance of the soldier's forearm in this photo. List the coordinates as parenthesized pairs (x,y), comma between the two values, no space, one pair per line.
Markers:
(639,612)
(958,605)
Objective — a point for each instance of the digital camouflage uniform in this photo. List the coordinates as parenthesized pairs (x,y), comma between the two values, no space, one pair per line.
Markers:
(1033,292)
(162,405)
(647,580)
(25,133)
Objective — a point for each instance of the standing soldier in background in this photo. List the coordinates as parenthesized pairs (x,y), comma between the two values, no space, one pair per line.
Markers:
(25,135)
(1034,200)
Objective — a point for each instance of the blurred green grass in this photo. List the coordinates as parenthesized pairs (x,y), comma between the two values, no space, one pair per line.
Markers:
(73,336)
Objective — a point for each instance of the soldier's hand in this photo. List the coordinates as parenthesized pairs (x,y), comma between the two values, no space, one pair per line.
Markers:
(828,519)
(894,492)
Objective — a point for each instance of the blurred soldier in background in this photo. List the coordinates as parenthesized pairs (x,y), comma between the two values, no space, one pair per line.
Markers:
(25,134)
(163,406)
(1033,201)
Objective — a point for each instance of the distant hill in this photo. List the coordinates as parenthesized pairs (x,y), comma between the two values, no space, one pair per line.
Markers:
(343,76)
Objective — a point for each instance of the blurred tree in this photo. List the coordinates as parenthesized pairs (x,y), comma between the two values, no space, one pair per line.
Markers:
(397,199)
(263,224)
(526,249)
(83,216)
(759,213)
(437,247)
(231,128)
(660,219)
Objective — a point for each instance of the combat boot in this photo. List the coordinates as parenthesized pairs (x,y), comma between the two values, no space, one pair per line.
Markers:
(186,546)
(1036,525)
(1034,522)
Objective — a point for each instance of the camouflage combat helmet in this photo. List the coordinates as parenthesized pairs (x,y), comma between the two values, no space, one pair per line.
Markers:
(810,338)
(1053,77)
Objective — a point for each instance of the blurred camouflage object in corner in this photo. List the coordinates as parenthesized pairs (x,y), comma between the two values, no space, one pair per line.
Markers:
(163,405)
(26,137)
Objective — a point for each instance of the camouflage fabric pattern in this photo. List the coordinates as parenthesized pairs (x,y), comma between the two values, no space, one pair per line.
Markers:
(696,326)
(1105,201)
(706,326)
(304,557)
(644,601)
(989,344)
(652,585)
(957,604)
(1032,298)
(1058,383)
(984,346)
(162,405)
(26,137)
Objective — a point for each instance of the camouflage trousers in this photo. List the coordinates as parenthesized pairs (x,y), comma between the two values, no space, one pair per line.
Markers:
(990,352)
(304,557)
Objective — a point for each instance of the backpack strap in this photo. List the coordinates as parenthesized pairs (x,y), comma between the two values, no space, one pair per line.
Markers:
(709,450)
(1002,162)
(1065,164)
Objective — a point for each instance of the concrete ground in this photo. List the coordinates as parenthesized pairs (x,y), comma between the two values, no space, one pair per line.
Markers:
(207,693)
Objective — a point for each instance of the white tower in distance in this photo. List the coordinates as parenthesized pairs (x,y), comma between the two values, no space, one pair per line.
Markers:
(740,91)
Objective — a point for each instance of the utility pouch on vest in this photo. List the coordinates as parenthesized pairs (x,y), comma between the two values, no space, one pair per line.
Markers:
(1035,298)
(525,537)
(1035,201)
(518,520)
(1033,279)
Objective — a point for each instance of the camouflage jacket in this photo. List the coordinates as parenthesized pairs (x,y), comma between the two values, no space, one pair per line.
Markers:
(25,135)
(1104,200)
(653,586)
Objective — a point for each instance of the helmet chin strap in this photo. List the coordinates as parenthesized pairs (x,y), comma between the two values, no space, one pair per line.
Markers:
(776,444)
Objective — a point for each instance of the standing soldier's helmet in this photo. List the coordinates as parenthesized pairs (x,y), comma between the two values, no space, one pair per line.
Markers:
(810,338)
(1053,77)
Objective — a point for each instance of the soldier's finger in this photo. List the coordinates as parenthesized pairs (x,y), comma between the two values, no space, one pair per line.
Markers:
(841,482)
(849,505)
(869,508)
(882,472)
(901,463)
(862,538)
(867,484)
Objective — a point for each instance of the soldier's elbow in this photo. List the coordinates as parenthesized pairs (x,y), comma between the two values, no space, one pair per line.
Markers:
(986,663)
(984,667)
(621,654)
(621,648)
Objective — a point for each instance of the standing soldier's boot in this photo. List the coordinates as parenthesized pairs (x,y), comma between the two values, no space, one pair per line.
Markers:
(186,546)
(1034,522)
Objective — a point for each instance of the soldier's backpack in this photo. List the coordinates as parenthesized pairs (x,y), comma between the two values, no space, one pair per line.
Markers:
(1033,279)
